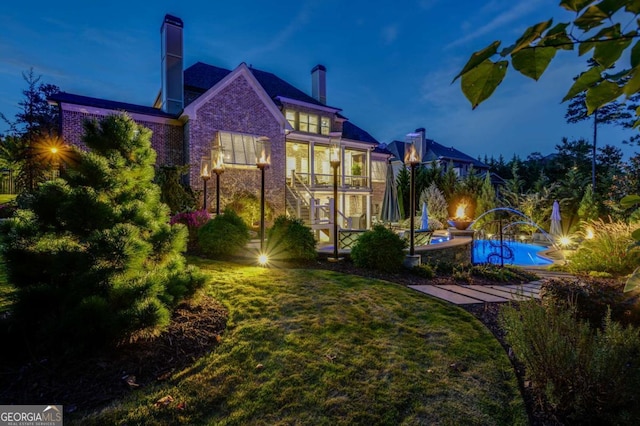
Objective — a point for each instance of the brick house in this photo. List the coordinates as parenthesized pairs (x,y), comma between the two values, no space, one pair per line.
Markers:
(204,106)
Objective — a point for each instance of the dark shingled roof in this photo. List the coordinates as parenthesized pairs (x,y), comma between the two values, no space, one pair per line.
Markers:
(106,104)
(351,131)
(437,151)
(202,77)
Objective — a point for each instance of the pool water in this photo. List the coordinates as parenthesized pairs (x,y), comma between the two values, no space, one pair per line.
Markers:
(515,253)
(523,254)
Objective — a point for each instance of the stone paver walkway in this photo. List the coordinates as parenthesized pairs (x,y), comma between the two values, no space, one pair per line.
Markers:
(469,294)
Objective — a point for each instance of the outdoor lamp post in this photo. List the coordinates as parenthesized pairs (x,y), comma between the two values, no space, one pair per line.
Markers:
(412,160)
(334,160)
(217,164)
(263,158)
(205,174)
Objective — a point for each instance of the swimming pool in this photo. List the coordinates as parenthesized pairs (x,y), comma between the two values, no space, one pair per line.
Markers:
(514,253)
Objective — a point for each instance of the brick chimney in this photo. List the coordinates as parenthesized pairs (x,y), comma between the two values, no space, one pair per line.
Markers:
(172,65)
(319,83)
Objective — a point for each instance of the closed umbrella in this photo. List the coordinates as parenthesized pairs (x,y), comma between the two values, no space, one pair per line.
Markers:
(390,211)
(556,220)
(424,219)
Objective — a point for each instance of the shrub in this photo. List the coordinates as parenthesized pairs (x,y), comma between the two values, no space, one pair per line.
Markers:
(247,206)
(193,220)
(607,251)
(379,248)
(224,236)
(585,376)
(502,274)
(425,270)
(92,256)
(7,210)
(290,239)
(592,299)
(173,192)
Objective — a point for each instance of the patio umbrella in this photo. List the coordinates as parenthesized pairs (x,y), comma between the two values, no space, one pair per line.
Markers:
(556,227)
(390,211)
(424,219)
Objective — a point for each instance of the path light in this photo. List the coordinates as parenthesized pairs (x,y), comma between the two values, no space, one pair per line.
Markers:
(334,160)
(263,160)
(205,174)
(217,164)
(411,159)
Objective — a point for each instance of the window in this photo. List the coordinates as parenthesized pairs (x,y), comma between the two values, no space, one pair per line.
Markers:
(309,123)
(325,125)
(291,118)
(238,148)
(378,171)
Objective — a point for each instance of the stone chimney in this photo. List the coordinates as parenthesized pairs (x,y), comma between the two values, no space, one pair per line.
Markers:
(319,83)
(172,92)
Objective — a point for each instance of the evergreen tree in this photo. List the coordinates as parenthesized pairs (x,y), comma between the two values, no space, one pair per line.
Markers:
(94,259)
(588,208)
(437,204)
(403,181)
(31,134)
(486,199)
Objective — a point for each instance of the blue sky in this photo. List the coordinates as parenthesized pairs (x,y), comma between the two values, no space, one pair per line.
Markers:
(389,63)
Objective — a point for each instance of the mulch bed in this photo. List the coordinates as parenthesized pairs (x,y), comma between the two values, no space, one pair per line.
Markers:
(194,331)
(87,383)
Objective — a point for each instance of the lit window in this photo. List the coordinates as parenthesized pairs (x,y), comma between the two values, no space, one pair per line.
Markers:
(378,171)
(325,125)
(291,117)
(309,123)
(238,148)
(313,124)
(304,122)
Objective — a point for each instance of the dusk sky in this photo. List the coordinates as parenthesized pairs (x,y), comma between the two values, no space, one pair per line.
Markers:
(389,64)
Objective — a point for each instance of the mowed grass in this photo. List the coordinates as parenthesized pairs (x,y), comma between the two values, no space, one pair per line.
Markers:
(5,198)
(315,347)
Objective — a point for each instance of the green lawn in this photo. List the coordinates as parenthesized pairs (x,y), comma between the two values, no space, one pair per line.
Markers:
(314,347)
(5,198)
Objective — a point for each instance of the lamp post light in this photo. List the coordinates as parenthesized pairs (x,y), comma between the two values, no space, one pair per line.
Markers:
(334,160)
(411,159)
(263,159)
(205,174)
(217,164)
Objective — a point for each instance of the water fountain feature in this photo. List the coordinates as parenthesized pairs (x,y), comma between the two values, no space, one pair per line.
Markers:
(500,242)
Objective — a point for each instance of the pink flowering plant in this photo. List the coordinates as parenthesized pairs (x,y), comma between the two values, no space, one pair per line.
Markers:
(193,220)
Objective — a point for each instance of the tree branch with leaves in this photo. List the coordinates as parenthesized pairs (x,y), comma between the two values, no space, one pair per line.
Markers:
(605,29)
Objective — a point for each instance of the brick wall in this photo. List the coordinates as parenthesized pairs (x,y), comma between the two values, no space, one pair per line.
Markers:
(166,139)
(237,108)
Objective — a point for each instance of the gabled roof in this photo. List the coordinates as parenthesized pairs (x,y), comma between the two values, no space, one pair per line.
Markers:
(70,98)
(202,77)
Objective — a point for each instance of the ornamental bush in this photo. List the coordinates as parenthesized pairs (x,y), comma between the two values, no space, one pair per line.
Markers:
(193,220)
(582,375)
(608,250)
(290,239)
(223,236)
(379,248)
(93,258)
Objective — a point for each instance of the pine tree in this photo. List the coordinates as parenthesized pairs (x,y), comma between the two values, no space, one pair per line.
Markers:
(94,259)
(487,198)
